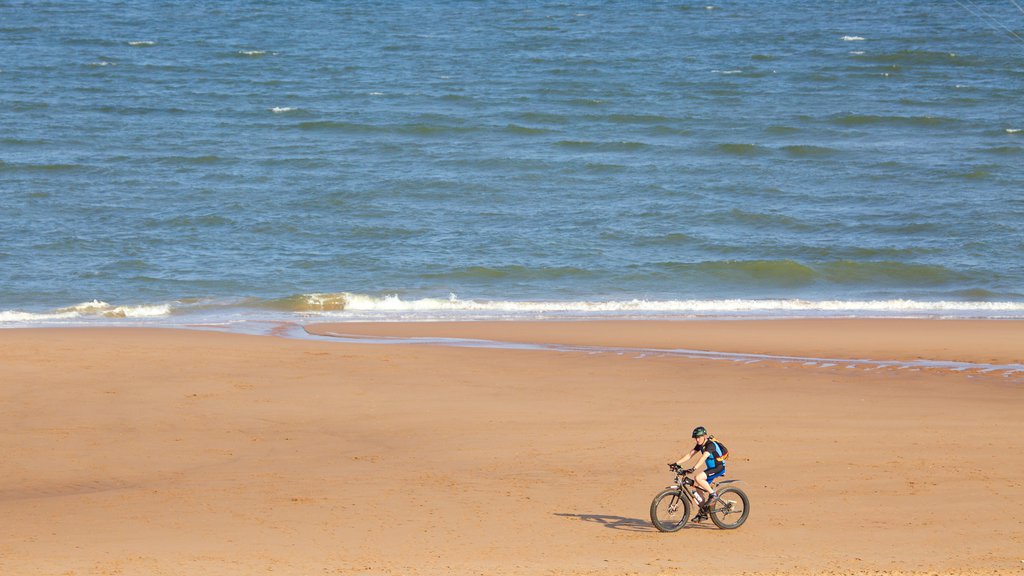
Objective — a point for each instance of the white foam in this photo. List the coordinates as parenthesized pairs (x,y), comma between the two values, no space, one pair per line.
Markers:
(728,71)
(281,109)
(19,316)
(857,52)
(376,93)
(157,310)
(350,306)
(142,43)
(98,308)
(853,38)
(393,303)
(1014,130)
(252,52)
(85,310)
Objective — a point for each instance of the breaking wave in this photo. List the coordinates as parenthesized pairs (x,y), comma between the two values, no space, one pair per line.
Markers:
(347,305)
(360,302)
(94,309)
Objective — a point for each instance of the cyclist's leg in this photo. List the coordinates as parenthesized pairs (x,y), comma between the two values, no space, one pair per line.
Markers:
(701,480)
(706,476)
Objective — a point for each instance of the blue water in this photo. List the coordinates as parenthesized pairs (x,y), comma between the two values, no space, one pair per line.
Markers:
(432,159)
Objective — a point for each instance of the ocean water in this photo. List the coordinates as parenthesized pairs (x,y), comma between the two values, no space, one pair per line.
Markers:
(221,161)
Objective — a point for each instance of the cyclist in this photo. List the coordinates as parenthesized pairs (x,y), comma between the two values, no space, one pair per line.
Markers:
(713,465)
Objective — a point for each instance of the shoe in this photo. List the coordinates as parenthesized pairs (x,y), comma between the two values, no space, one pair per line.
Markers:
(700,517)
(712,499)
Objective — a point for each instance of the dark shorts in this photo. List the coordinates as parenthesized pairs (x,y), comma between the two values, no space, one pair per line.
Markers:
(715,472)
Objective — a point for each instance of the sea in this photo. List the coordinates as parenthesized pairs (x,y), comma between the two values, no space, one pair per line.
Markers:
(224,162)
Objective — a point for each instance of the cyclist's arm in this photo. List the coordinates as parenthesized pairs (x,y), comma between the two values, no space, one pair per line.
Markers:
(686,458)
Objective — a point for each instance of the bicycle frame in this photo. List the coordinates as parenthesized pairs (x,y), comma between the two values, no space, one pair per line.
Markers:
(684,483)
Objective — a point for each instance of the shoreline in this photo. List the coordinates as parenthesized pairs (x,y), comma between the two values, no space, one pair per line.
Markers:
(156,451)
(345,307)
(985,342)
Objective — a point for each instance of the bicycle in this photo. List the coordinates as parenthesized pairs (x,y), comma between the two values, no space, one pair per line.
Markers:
(670,509)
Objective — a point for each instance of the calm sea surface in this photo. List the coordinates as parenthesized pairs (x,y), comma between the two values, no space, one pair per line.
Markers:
(226,160)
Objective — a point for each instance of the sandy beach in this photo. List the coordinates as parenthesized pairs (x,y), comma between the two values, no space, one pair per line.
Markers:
(163,452)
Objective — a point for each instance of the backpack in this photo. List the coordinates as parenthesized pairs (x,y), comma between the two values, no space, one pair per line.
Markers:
(723,452)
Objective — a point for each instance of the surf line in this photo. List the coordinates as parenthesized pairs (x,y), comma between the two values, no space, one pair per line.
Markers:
(1006,370)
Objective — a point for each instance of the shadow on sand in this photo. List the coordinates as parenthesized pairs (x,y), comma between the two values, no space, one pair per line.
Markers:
(630,524)
(614,522)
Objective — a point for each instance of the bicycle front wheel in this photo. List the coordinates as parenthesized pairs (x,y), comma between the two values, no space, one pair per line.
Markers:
(731,509)
(670,510)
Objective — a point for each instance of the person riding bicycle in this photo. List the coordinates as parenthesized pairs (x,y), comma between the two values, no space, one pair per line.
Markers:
(714,466)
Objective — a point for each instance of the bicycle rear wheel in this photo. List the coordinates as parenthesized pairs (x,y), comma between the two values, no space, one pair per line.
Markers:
(670,510)
(731,509)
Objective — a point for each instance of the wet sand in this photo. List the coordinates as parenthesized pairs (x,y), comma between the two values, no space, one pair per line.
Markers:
(147,451)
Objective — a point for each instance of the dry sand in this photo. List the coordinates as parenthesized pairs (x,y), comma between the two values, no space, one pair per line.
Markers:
(135,451)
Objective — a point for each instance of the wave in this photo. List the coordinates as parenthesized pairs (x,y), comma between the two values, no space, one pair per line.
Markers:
(339,126)
(870,119)
(742,149)
(760,220)
(24,106)
(190,221)
(809,151)
(887,273)
(621,146)
(525,130)
(1003,150)
(200,160)
(976,174)
(544,117)
(790,273)
(138,110)
(94,309)
(852,38)
(308,302)
(142,43)
(349,302)
(21,167)
(781,129)
(98,308)
(604,167)
(773,272)
(414,129)
(509,272)
(591,102)
(671,239)
(342,305)
(636,118)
